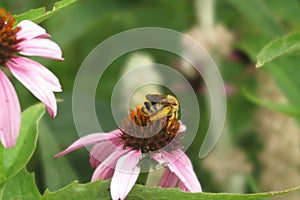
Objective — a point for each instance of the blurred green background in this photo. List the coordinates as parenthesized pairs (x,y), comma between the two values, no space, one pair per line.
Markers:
(259,149)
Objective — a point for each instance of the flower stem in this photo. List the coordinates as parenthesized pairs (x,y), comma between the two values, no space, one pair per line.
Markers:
(145,164)
(142,179)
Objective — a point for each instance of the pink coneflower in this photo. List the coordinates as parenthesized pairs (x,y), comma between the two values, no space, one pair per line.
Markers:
(29,39)
(117,154)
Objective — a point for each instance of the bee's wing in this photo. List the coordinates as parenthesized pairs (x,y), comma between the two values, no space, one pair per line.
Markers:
(157,98)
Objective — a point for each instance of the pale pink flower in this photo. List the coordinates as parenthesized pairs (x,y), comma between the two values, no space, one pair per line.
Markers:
(117,154)
(28,39)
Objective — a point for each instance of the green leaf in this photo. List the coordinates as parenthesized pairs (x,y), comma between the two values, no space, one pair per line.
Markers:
(21,186)
(40,14)
(94,190)
(287,109)
(100,190)
(287,44)
(284,71)
(14,159)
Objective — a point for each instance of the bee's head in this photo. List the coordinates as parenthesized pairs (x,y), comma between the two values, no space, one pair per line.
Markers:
(147,105)
(173,103)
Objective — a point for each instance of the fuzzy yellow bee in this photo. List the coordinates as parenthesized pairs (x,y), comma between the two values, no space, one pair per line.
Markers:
(158,106)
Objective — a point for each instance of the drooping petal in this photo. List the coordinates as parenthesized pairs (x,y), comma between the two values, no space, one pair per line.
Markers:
(103,172)
(40,82)
(168,179)
(88,140)
(180,164)
(40,47)
(182,186)
(125,176)
(30,30)
(40,72)
(10,112)
(107,167)
(100,152)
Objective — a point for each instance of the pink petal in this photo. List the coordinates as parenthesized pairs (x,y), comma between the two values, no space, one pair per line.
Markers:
(30,30)
(40,47)
(100,152)
(179,164)
(103,172)
(88,140)
(10,112)
(168,179)
(42,74)
(182,186)
(125,175)
(40,82)
(158,157)
(182,127)
(107,167)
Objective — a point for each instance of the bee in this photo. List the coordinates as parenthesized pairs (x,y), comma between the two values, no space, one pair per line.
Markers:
(158,106)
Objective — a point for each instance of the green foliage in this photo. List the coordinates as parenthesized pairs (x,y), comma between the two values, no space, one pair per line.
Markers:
(261,20)
(95,190)
(40,14)
(15,159)
(85,24)
(278,47)
(279,107)
(21,186)
(100,190)
(262,29)
(57,172)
